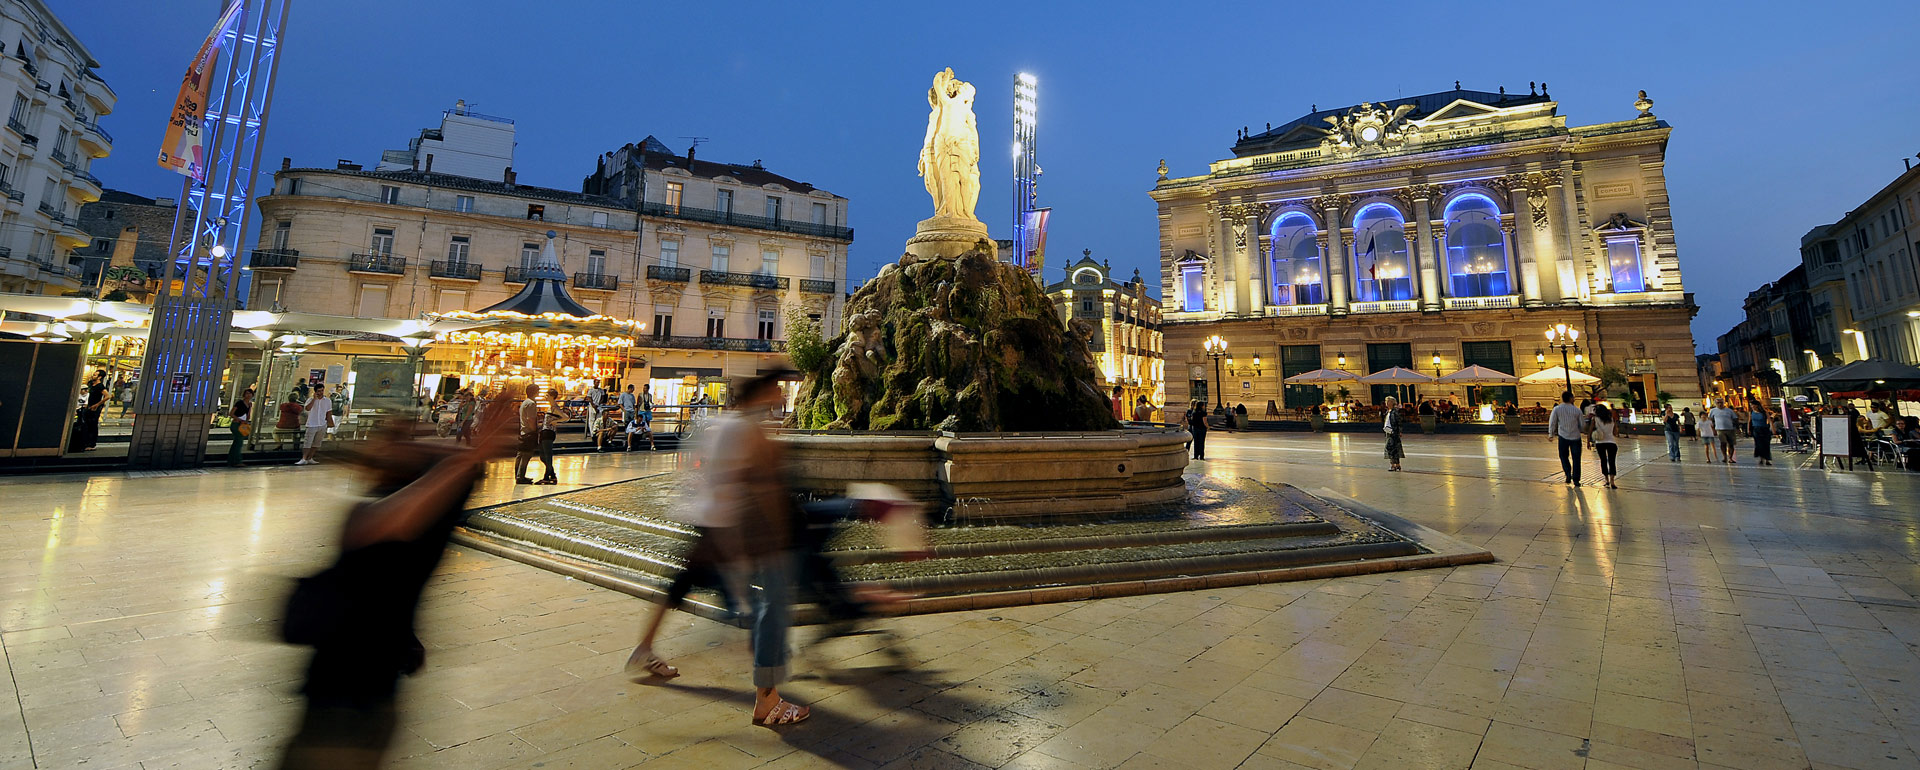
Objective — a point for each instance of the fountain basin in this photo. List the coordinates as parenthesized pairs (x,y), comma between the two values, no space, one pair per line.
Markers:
(996,477)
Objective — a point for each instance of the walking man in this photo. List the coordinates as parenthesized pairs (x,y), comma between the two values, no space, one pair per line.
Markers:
(1671,423)
(319,420)
(1726,427)
(1567,425)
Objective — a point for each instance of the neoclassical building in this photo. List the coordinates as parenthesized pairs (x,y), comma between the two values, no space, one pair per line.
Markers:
(1429,232)
(1123,326)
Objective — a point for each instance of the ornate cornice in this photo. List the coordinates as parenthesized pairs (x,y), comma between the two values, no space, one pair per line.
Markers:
(1241,211)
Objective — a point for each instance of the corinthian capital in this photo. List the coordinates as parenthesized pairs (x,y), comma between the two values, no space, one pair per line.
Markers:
(1332,201)
(1237,211)
(1414,192)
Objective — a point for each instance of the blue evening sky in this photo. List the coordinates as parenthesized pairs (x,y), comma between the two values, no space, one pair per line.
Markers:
(1785,114)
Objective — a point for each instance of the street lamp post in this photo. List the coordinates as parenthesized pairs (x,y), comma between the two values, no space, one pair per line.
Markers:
(1564,338)
(1216,346)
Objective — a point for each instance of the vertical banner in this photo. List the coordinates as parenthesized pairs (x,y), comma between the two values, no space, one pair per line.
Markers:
(182,149)
(1034,251)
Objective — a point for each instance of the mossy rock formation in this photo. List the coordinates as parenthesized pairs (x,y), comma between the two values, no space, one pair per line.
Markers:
(961,344)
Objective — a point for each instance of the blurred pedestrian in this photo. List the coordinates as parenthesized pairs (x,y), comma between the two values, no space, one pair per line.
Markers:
(358,614)
(319,421)
(241,415)
(126,397)
(1907,435)
(1670,424)
(532,431)
(465,410)
(1119,404)
(1567,426)
(289,412)
(1391,424)
(1143,411)
(1762,430)
(748,515)
(1605,443)
(1197,427)
(86,425)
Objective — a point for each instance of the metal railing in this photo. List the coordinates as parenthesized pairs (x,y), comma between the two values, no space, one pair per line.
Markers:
(1386,306)
(89,178)
(42,85)
(1480,303)
(514,275)
(817,286)
(753,280)
(52,213)
(669,273)
(59,156)
(596,281)
(715,343)
(463,271)
(692,214)
(274,258)
(17,126)
(94,126)
(385,264)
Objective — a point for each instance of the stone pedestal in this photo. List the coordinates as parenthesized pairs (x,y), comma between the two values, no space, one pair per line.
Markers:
(950,237)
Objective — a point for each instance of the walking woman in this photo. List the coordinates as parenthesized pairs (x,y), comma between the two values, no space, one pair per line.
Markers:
(1197,425)
(1605,443)
(1392,427)
(242,426)
(1762,437)
(1708,437)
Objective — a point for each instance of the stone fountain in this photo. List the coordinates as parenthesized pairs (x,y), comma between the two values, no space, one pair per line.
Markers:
(956,380)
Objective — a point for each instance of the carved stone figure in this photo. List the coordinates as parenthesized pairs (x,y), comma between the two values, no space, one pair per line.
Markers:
(950,156)
(860,359)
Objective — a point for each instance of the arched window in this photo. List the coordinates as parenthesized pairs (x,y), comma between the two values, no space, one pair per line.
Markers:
(1476,251)
(1381,269)
(1295,268)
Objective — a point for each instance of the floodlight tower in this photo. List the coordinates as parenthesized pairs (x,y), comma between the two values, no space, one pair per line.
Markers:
(1026,170)
(214,139)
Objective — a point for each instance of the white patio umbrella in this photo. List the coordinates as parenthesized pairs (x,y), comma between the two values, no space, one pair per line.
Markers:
(1558,376)
(1397,375)
(1322,377)
(1478,375)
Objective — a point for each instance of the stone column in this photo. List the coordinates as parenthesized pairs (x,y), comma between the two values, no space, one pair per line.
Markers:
(1544,189)
(1520,233)
(1251,214)
(1506,241)
(1433,262)
(1334,262)
(1567,228)
(1220,254)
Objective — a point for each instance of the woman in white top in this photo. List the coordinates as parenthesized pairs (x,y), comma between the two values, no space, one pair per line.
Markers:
(1708,438)
(1605,444)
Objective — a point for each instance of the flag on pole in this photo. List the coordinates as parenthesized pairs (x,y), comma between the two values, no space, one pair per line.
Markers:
(183,149)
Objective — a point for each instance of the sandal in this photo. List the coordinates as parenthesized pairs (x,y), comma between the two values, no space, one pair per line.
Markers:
(645,661)
(783,713)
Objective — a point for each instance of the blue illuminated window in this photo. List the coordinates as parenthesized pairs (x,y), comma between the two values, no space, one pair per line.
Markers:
(1193,296)
(1294,264)
(1476,250)
(1382,270)
(1623,261)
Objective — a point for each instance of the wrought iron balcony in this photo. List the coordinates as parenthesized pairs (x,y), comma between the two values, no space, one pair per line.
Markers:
(751,280)
(711,216)
(52,213)
(88,178)
(59,156)
(274,259)
(596,281)
(94,126)
(514,275)
(817,286)
(716,343)
(42,85)
(458,271)
(9,191)
(380,264)
(668,273)
(17,126)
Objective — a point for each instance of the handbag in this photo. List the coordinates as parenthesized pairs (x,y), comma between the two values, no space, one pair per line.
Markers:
(244,428)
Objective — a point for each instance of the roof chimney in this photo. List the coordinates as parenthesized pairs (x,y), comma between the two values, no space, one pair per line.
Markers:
(690,149)
(286,163)
(343,164)
(510,177)
(429,168)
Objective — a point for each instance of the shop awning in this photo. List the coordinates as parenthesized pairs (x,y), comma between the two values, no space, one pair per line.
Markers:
(1478,375)
(1558,375)
(1397,375)
(1322,377)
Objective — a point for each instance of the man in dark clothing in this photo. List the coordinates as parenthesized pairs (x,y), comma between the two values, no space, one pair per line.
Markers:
(358,615)
(1197,426)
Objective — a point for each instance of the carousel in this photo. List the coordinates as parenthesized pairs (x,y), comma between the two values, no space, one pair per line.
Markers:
(540,335)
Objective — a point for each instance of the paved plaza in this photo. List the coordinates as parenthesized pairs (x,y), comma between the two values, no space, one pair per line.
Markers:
(1702,616)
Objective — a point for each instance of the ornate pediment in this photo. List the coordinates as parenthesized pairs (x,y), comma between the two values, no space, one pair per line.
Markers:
(666,292)
(669,227)
(1460,108)
(1620,223)
(1192,258)
(820,247)
(720,237)
(1370,127)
